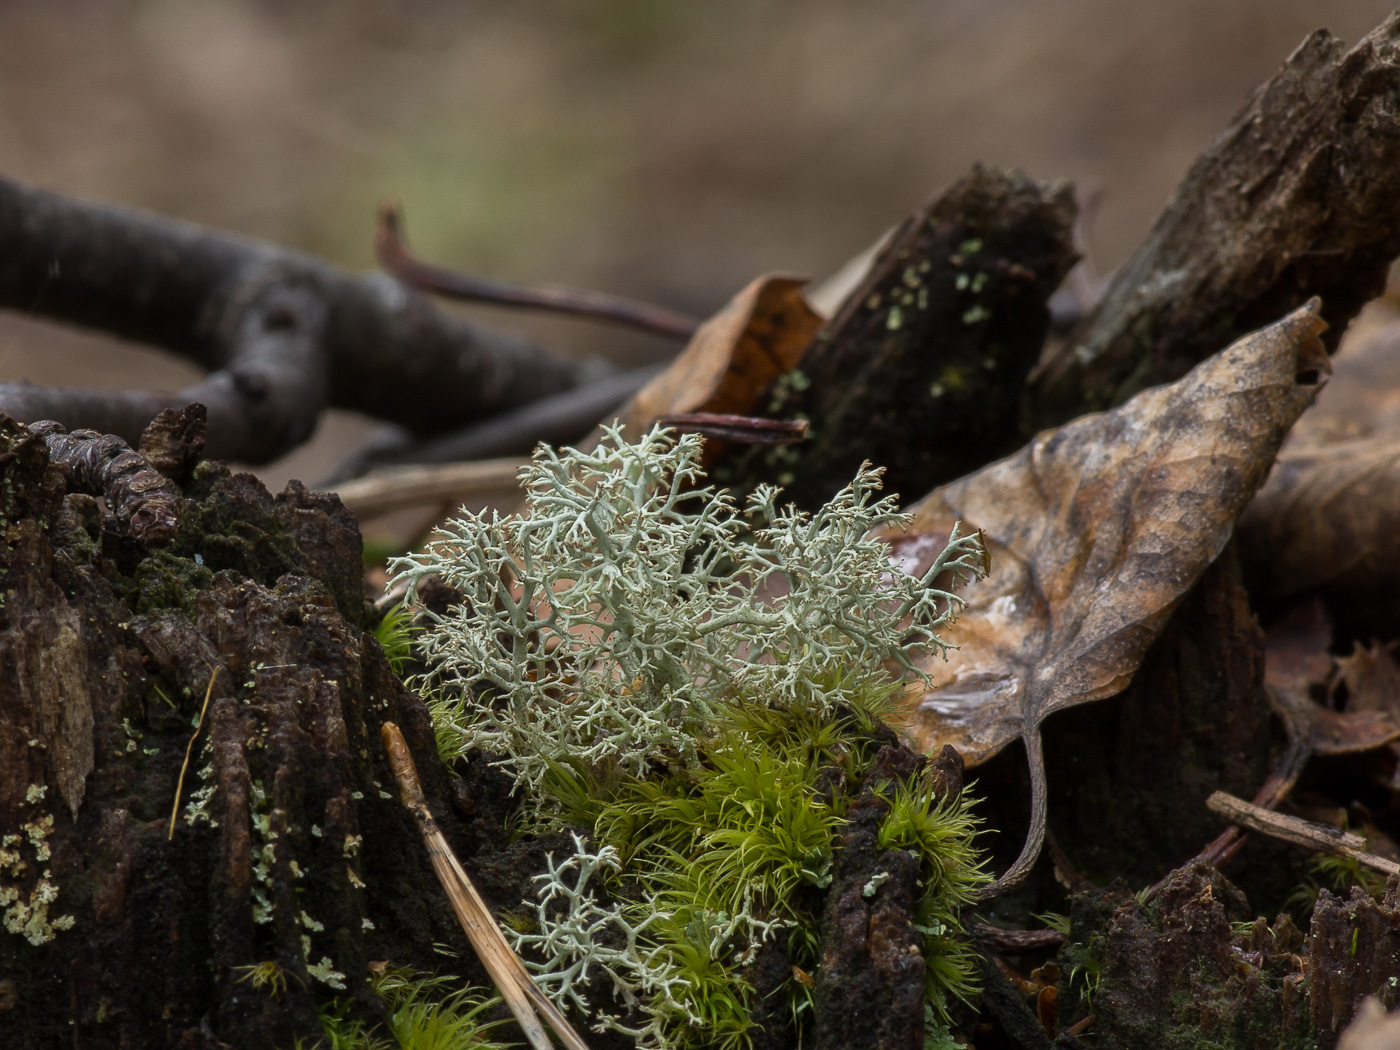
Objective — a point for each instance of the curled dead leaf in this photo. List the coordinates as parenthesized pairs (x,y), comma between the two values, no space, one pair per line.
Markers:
(734,357)
(1096,531)
(1298,664)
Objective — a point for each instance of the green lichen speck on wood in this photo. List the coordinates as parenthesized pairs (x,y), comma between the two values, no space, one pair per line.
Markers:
(699,688)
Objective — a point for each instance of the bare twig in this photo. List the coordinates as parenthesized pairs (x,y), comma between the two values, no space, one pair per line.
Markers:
(449,483)
(281,334)
(744,430)
(189,750)
(394,256)
(997,941)
(562,418)
(1298,831)
(521,994)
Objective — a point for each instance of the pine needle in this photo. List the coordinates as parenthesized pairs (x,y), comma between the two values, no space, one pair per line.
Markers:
(189,750)
(521,994)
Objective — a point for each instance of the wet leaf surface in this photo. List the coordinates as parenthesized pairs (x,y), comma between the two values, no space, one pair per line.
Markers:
(1096,531)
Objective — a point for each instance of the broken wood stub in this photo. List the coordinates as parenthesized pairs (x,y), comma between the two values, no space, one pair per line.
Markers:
(870,984)
(1300,196)
(1354,951)
(290,852)
(1182,970)
(922,369)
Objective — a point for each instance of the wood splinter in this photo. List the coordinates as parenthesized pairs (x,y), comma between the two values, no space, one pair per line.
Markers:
(1298,831)
(521,994)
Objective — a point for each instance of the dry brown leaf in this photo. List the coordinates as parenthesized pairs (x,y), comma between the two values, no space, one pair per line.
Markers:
(1096,531)
(1329,513)
(734,357)
(1372,677)
(1298,663)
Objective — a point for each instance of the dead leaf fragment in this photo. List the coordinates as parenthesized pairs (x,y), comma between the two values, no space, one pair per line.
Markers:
(1096,531)
(734,357)
(1328,515)
(1372,1028)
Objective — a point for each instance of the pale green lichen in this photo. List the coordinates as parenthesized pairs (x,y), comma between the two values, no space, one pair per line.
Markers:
(583,941)
(601,625)
(26,909)
(681,679)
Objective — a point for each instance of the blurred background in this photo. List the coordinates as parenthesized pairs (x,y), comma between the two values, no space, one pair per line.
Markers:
(661,149)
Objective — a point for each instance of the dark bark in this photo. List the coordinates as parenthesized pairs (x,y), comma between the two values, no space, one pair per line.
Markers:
(922,369)
(287,825)
(1128,780)
(1354,951)
(1299,196)
(281,333)
(870,985)
(1174,973)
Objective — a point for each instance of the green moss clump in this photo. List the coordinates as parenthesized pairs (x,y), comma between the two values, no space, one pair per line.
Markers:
(423,1014)
(710,862)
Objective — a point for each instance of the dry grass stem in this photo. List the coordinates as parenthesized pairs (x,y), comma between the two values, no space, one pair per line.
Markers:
(189,750)
(521,994)
(448,483)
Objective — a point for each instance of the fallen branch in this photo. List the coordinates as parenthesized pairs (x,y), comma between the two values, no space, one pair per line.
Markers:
(561,418)
(414,486)
(1301,832)
(283,335)
(394,256)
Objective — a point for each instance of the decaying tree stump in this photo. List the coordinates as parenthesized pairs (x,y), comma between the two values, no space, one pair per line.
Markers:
(288,848)
(1129,779)
(922,369)
(1184,970)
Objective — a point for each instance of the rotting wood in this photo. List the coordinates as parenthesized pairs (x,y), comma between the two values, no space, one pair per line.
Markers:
(106,652)
(921,370)
(1299,196)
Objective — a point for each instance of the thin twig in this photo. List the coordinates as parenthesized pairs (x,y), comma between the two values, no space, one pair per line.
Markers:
(557,420)
(744,430)
(394,256)
(189,750)
(998,941)
(1298,831)
(448,483)
(521,994)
